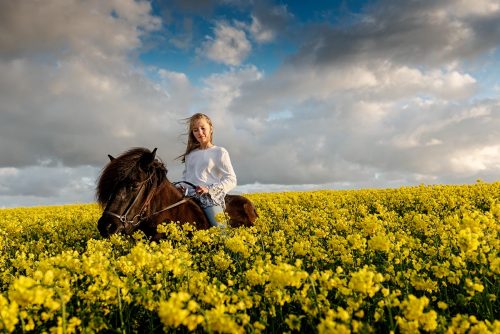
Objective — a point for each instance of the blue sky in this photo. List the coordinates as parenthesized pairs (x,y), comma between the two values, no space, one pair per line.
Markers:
(304,95)
(267,56)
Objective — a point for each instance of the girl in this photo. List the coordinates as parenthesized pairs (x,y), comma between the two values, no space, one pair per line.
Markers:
(208,167)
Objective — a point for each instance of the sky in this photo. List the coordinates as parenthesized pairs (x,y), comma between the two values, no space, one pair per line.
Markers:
(304,95)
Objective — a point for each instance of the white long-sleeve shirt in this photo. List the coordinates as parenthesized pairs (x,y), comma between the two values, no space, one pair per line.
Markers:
(210,167)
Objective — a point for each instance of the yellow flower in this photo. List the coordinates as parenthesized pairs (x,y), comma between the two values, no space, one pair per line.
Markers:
(495,264)
(221,260)
(356,241)
(333,323)
(415,317)
(370,225)
(301,248)
(219,321)
(379,242)
(293,321)
(236,245)
(366,281)
(468,241)
(473,286)
(284,274)
(8,315)
(442,305)
(179,310)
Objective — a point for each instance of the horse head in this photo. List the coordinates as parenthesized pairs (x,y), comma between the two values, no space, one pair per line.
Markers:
(125,188)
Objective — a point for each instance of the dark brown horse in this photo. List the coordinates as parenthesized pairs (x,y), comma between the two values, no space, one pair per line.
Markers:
(136,194)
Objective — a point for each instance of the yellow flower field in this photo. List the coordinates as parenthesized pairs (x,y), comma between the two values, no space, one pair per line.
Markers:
(407,260)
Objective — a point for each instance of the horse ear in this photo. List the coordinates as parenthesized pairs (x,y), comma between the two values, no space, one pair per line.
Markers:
(148,159)
(111,158)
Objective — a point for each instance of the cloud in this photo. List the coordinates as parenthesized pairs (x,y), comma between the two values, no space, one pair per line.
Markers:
(269,21)
(472,161)
(363,81)
(87,99)
(430,33)
(73,113)
(221,89)
(24,186)
(371,119)
(230,45)
(59,26)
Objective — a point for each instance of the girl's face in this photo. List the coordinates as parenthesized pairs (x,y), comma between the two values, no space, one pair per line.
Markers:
(202,131)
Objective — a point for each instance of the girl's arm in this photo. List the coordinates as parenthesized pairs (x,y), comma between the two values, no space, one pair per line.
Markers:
(228,177)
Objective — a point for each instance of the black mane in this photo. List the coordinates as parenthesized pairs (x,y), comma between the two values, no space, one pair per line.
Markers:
(126,168)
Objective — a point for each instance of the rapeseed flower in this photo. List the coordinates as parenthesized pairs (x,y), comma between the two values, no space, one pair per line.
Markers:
(8,315)
(366,281)
(179,310)
(414,316)
(364,257)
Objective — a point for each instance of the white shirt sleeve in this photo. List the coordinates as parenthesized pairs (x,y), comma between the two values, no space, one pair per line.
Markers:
(228,177)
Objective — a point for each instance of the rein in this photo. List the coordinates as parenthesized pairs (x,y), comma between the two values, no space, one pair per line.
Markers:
(140,216)
(182,201)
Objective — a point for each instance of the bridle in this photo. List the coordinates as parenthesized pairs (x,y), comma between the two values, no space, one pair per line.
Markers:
(140,216)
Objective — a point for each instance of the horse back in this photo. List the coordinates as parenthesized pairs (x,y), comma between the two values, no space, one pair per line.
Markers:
(240,210)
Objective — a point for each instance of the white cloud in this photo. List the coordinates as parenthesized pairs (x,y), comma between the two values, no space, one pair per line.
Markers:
(8,171)
(177,78)
(472,161)
(230,45)
(39,185)
(479,7)
(221,89)
(379,82)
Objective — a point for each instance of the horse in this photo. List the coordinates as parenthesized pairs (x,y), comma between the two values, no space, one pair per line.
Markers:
(135,194)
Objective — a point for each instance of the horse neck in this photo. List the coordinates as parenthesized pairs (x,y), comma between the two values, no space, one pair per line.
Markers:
(189,211)
(168,194)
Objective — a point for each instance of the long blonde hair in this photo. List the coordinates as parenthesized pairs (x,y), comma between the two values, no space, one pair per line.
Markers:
(192,143)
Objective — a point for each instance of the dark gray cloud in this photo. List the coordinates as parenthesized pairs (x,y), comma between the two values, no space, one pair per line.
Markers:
(54,28)
(270,22)
(420,33)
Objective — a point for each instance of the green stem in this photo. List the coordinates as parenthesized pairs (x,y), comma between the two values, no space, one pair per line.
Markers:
(122,323)
(315,295)
(391,320)
(63,309)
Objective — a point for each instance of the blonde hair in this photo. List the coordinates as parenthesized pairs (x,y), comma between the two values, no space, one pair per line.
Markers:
(192,143)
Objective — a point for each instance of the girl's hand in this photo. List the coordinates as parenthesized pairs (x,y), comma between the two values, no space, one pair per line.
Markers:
(201,190)
(182,189)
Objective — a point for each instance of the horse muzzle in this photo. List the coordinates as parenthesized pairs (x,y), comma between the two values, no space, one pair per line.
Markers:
(108,226)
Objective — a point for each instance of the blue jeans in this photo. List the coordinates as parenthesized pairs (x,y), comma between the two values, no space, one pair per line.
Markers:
(211,211)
